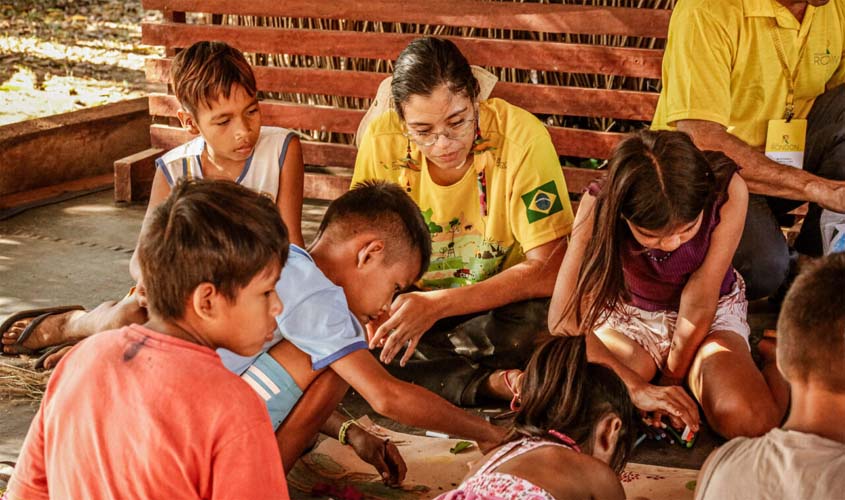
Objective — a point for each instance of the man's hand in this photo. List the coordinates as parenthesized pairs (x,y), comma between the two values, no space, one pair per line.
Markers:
(380,453)
(670,400)
(831,195)
(411,315)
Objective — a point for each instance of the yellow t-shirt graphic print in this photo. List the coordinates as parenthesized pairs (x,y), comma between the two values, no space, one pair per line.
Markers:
(526,198)
(460,254)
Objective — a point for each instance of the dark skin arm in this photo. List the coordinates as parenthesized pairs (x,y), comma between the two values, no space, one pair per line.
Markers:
(763,175)
(315,412)
(673,401)
(381,453)
(411,404)
(412,314)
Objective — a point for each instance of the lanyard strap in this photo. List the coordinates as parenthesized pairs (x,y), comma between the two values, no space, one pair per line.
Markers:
(791,75)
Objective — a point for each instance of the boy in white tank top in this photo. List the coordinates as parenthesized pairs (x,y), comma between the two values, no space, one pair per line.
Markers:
(217,93)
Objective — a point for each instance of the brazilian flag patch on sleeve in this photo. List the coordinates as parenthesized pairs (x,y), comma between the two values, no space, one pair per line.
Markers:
(542,202)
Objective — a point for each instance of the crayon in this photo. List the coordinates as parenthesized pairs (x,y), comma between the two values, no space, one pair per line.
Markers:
(640,440)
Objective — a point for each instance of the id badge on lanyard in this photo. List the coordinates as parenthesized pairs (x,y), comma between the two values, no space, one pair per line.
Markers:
(785,141)
(786,138)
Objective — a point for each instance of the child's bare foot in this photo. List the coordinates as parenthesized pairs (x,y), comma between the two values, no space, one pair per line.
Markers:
(33,332)
(53,359)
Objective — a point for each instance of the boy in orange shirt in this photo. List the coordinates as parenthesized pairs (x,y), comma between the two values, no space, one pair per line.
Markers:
(150,411)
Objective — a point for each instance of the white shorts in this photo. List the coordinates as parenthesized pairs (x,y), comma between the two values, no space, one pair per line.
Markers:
(653,329)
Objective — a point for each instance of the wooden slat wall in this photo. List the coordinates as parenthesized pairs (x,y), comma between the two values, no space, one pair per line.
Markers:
(340,155)
(540,55)
(541,18)
(521,54)
(540,99)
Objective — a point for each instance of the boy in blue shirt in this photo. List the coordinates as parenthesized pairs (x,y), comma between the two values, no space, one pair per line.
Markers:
(372,244)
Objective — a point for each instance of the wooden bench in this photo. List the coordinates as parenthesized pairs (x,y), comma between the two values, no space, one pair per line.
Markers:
(529,48)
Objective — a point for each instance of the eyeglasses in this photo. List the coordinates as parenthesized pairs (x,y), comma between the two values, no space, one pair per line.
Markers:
(453,133)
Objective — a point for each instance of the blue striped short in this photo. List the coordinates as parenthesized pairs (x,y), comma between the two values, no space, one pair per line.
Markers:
(274,385)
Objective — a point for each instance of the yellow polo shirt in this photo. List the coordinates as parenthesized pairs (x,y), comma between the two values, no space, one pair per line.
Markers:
(721,63)
(527,200)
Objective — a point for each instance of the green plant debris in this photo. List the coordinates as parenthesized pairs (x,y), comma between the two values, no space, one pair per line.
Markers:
(459,447)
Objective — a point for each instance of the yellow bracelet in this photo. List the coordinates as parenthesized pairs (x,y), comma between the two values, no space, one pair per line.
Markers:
(344,427)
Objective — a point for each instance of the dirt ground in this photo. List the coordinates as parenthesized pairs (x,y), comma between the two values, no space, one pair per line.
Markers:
(63,55)
(58,56)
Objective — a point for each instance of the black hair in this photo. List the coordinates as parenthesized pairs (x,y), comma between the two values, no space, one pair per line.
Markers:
(426,64)
(562,392)
(811,325)
(208,231)
(384,207)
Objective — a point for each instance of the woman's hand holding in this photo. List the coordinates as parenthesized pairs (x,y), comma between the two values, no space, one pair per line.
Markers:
(411,315)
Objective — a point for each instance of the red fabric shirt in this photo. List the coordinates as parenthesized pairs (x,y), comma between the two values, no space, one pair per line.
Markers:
(132,413)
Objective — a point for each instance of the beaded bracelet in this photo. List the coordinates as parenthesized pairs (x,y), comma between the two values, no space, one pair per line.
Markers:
(344,427)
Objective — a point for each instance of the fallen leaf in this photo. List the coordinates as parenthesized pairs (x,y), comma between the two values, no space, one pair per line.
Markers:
(459,447)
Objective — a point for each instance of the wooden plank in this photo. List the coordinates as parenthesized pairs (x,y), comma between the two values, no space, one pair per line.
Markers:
(325,186)
(313,153)
(568,142)
(544,18)
(282,114)
(541,56)
(133,175)
(577,179)
(296,80)
(326,154)
(539,99)
(167,137)
(584,143)
(45,193)
(76,145)
(578,101)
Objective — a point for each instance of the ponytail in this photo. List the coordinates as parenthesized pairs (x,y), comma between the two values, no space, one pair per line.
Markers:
(562,392)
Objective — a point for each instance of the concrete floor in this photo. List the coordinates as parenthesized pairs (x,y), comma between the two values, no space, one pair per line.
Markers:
(78,251)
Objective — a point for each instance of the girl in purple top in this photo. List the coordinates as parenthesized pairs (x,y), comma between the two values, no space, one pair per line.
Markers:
(648,277)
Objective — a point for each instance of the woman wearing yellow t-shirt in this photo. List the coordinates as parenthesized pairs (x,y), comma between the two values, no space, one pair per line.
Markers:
(488,182)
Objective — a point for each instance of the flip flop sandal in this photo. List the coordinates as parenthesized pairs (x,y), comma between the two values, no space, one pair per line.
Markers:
(6,477)
(39,315)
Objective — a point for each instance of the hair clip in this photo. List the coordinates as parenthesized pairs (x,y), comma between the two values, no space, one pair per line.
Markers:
(568,441)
